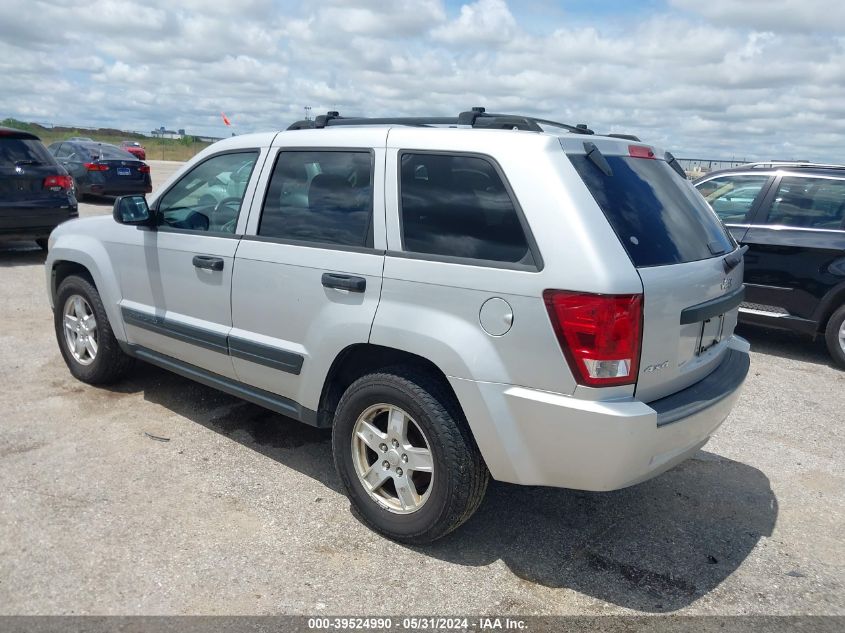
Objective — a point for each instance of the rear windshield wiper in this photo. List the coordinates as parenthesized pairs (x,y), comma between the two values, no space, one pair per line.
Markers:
(597,158)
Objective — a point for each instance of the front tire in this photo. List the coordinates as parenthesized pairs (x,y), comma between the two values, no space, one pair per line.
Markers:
(84,334)
(406,457)
(834,336)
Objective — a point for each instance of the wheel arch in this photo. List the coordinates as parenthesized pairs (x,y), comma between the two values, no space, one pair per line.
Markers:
(88,259)
(359,359)
(830,303)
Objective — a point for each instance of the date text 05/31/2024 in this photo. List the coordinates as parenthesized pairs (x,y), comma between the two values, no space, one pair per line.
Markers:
(421,623)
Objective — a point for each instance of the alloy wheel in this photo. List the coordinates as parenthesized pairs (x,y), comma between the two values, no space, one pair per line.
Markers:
(392,458)
(80,327)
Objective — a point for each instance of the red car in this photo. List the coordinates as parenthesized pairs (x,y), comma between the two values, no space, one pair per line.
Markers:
(134,148)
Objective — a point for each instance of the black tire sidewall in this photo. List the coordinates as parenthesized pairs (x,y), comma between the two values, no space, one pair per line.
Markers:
(832,336)
(385,390)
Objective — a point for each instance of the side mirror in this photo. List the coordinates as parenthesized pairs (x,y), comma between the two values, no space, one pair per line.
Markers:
(132,210)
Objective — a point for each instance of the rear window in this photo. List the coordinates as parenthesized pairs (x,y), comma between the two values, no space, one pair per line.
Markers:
(16,151)
(659,219)
(109,152)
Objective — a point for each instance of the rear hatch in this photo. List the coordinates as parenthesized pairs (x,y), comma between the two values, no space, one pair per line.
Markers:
(690,268)
(28,184)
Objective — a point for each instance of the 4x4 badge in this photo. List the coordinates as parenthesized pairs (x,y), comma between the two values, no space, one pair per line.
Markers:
(727,282)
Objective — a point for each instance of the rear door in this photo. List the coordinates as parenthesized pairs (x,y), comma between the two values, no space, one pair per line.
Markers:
(308,272)
(679,247)
(796,245)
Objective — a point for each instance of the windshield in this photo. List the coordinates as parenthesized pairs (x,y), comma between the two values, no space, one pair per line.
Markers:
(659,218)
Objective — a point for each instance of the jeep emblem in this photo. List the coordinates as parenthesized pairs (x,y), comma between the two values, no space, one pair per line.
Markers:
(727,282)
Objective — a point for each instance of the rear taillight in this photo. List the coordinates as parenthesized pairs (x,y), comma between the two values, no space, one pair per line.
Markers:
(96,167)
(600,335)
(58,182)
(144,169)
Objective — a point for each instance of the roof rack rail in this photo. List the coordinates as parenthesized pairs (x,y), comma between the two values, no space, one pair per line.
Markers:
(769,164)
(478,117)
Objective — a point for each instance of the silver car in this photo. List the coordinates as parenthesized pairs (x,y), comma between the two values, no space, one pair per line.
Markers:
(489,296)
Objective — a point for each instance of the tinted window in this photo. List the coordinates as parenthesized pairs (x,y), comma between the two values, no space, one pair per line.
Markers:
(208,198)
(23,151)
(109,152)
(659,218)
(816,203)
(732,196)
(61,151)
(458,206)
(322,197)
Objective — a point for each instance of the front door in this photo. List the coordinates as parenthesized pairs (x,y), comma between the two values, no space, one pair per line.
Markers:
(176,279)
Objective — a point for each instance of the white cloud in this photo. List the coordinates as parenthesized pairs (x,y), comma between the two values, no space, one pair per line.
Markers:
(482,22)
(702,78)
(773,15)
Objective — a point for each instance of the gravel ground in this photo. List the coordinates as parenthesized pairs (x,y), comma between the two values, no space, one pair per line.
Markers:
(240,512)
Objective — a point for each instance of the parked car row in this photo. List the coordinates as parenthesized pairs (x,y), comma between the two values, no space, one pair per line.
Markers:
(40,187)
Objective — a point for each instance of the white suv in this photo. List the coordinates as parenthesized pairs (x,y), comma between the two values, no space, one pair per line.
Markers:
(461,298)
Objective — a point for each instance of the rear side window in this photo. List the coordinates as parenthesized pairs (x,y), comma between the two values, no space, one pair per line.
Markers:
(458,206)
(732,196)
(20,151)
(107,152)
(814,203)
(324,197)
(659,218)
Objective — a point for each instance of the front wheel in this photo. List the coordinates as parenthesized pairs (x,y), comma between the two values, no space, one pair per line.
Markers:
(406,457)
(834,336)
(84,334)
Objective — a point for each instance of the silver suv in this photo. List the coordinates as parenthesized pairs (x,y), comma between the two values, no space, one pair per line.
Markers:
(489,295)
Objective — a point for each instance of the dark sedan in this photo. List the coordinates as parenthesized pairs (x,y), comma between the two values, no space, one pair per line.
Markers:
(36,194)
(101,169)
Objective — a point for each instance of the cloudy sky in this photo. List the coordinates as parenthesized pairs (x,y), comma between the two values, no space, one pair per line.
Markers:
(704,78)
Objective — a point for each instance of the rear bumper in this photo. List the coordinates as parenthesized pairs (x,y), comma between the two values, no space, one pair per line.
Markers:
(539,438)
(115,189)
(28,221)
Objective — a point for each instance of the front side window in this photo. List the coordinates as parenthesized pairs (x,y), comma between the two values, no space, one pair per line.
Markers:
(209,197)
(732,196)
(814,203)
(458,206)
(321,197)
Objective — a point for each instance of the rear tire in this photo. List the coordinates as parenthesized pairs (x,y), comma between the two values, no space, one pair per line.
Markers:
(834,336)
(450,476)
(84,334)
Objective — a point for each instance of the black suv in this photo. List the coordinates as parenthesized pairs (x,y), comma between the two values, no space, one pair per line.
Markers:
(791,216)
(36,193)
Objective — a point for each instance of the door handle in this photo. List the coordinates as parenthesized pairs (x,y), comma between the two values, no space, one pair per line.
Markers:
(208,262)
(344,282)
